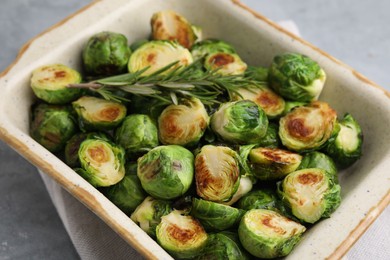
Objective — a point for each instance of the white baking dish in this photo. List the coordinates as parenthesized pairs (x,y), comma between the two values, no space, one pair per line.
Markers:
(365,186)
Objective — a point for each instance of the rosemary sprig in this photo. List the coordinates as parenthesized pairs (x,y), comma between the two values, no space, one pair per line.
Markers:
(171,82)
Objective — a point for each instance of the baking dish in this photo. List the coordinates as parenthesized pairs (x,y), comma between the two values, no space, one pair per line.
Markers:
(365,185)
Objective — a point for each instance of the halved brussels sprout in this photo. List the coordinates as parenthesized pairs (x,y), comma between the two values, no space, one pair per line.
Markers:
(226,63)
(308,127)
(105,54)
(267,234)
(73,144)
(103,162)
(311,194)
(182,236)
(183,124)
(203,48)
(296,77)
(52,126)
(346,148)
(223,245)
(240,122)
(319,160)
(98,114)
(148,214)
(158,54)
(217,173)
(215,216)
(169,25)
(257,73)
(269,101)
(258,199)
(128,193)
(137,134)
(166,172)
(49,83)
(273,163)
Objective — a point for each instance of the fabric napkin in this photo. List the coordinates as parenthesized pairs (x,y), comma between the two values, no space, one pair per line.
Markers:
(94,240)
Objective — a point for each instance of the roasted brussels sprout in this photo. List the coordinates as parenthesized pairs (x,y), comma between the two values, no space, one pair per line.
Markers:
(257,73)
(49,83)
(319,160)
(52,126)
(98,114)
(268,100)
(258,199)
(217,173)
(311,194)
(225,63)
(158,54)
(103,162)
(203,48)
(346,147)
(182,236)
(73,144)
(183,124)
(169,25)
(128,193)
(296,77)
(273,163)
(166,172)
(215,216)
(106,53)
(267,234)
(224,245)
(148,214)
(137,134)
(308,127)
(240,122)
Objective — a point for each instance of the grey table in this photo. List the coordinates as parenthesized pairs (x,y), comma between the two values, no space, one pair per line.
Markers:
(355,31)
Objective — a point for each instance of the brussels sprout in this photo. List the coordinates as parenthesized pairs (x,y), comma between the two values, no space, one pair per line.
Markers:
(137,134)
(269,101)
(308,127)
(158,54)
(49,83)
(290,105)
(106,53)
(273,163)
(203,48)
(73,144)
(271,138)
(217,173)
(102,161)
(52,126)
(257,73)
(267,234)
(128,193)
(224,245)
(240,122)
(245,186)
(310,194)
(346,148)
(98,114)
(226,63)
(182,236)
(319,160)
(296,77)
(166,172)
(148,214)
(215,216)
(169,25)
(258,199)
(183,124)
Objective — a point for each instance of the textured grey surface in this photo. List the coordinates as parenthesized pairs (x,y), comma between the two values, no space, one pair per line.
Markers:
(355,32)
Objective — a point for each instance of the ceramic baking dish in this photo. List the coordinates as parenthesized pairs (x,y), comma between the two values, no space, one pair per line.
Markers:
(365,186)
